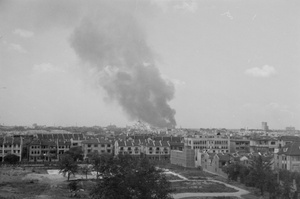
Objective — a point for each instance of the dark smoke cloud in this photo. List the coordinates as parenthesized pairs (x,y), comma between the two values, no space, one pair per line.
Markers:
(112,41)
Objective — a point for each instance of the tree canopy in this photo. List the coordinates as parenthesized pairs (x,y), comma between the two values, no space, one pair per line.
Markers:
(11,159)
(76,153)
(126,177)
(67,165)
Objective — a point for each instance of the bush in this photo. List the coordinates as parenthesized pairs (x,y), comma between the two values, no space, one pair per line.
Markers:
(11,159)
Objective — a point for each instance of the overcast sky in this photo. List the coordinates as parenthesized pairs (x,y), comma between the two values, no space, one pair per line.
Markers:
(225,63)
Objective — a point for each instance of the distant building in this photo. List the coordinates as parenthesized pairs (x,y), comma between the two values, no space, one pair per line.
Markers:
(264,126)
(239,145)
(209,143)
(263,144)
(290,128)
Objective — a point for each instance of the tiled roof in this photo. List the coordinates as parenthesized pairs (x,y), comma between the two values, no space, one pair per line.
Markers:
(96,141)
(290,138)
(292,149)
(224,157)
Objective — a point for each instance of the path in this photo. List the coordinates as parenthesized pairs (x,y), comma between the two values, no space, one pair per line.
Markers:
(239,193)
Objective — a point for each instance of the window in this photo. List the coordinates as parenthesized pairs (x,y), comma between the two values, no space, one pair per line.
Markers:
(102,145)
(89,145)
(95,145)
(121,148)
(108,145)
(108,150)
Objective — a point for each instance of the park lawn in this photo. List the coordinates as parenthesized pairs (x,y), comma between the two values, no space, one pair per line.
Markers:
(200,187)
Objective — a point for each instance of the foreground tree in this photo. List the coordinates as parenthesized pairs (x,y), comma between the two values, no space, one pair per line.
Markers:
(126,177)
(260,167)
(11,159)
(67,165)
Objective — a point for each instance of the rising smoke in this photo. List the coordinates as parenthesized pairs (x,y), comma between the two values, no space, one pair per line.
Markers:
(112,41)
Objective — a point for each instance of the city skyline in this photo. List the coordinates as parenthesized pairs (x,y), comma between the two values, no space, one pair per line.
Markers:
(218,64)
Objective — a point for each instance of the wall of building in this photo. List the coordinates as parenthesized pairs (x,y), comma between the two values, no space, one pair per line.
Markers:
(185,158)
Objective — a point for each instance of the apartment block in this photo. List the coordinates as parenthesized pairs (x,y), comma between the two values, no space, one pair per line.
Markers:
(209,143)
(10,145)
(97,145)
(263,144)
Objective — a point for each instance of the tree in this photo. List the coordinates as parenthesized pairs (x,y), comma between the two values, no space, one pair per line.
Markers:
(67,165)
(259,169)
(272,185)
(128,177)
(11,159)
(85,169)
(100,162)
(76,153)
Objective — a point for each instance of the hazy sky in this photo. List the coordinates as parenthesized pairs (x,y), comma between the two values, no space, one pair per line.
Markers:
(217,63)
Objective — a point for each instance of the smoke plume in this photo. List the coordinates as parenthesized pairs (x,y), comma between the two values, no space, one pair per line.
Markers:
(112,41)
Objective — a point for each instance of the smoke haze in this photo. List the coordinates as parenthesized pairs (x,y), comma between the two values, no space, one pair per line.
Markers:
(111,40)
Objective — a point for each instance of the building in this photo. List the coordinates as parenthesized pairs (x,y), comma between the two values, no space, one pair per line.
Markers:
(239,145)
(10,145)
(35,152)
(156,150)
(263,144)
(288,157)
(209,143)
(97,145)
(264,126)
(284,140)
(184,158)
(132,147)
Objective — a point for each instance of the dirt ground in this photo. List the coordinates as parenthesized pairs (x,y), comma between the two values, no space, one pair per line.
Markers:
(32,183)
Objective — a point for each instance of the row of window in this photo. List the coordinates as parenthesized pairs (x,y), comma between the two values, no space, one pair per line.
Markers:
(96,145)
(9,146)
(102,151)
(8,151)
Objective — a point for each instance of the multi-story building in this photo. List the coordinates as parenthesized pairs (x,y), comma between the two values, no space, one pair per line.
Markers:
(97,145)
(264,126)
(63,146)
(49,150)
(263,144)
(10,145)
(156,150)
(35,152)
(49,147)
(284,140)
(239,145)
(184,158)
(288,157)
(209,143)
(132,147)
